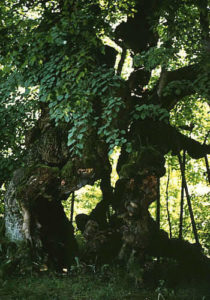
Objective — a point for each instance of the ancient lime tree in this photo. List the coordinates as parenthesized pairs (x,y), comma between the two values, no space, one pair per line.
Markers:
(77,79)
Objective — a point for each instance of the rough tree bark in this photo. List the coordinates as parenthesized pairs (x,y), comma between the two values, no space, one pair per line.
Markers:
(34,214)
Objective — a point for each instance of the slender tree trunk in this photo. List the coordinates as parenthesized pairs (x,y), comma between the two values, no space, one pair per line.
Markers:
(207,168)
(188,200)
(158,209)
(182,199)
(72,207)
(206,159)
(158,204)
(167,205)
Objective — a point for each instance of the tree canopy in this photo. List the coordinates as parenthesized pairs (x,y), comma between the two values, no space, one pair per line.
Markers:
(54,52)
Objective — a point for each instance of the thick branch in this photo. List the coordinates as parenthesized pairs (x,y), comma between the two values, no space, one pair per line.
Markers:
(136,33)
(169,98)
(166,138)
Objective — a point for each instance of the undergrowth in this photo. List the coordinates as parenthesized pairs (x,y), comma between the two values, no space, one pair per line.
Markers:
(103,284)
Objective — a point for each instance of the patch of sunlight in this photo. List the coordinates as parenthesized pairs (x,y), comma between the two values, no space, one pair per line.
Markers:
(200,189)
(85,200)
(113,160)
(87,197)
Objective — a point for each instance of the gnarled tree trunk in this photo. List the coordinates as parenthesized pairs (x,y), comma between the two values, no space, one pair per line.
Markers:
(34,214)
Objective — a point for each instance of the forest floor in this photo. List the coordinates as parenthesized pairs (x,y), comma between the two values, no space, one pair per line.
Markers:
(103,285)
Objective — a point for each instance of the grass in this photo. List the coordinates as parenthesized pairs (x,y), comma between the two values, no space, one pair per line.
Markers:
(103,285)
